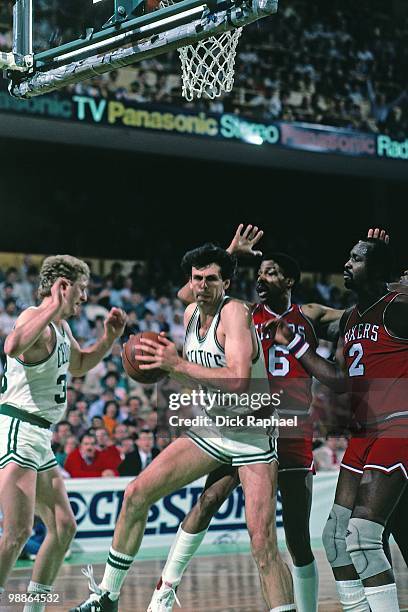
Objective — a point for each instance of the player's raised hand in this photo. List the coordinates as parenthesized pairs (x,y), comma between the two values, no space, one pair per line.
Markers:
(115,323)
(243,242)
(378,233)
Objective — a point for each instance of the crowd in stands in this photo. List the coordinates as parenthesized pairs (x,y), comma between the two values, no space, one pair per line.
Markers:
(337,63)
(114,425)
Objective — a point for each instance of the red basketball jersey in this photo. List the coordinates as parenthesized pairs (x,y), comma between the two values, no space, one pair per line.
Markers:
(377,366)
(285,372)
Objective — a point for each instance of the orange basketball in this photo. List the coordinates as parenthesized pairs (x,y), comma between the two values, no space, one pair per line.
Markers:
(132,366)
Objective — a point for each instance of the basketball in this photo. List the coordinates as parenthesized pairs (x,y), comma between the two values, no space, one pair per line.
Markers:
(132,366)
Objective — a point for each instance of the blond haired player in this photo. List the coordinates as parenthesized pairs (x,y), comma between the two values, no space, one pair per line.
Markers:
(40,352)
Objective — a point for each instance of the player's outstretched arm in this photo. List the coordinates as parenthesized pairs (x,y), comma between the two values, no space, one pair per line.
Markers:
(330,374)
(325,320)
(32,325)
(234,377)
(83,360)
(242,243)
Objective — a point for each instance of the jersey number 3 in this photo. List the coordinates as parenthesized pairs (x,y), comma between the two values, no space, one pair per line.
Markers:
(61,397)
(356,368)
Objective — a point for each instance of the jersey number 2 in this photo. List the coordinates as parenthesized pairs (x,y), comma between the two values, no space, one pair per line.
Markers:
(356,368)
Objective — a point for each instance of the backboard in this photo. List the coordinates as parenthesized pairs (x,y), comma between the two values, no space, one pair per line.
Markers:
(60,43)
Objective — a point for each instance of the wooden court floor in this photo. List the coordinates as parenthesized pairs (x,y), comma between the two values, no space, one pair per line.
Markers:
(222,583)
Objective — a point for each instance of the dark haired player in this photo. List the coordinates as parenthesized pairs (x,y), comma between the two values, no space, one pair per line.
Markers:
(277,275)
(372,364)
(219,334)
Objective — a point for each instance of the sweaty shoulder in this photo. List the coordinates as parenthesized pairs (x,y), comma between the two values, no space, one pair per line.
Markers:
(26,315)
(236,309)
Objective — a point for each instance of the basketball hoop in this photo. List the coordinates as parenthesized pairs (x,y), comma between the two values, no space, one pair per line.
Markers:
(207,68)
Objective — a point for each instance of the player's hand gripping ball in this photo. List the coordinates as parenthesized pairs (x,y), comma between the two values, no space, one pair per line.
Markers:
(132,366)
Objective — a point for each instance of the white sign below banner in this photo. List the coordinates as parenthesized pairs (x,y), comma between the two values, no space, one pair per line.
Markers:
(96,503)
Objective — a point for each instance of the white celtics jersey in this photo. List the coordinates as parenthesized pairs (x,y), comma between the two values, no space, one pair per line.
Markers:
(209,353)
(39,388)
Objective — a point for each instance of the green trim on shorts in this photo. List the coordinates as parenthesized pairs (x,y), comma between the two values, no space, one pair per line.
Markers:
(9,437)
(15,435)
(14,459)
(48,466)
(267,458)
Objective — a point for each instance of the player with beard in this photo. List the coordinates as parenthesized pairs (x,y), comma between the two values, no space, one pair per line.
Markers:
(277,275)
(372,365)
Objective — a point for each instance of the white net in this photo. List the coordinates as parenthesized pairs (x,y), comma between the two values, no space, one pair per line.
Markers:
(207,68)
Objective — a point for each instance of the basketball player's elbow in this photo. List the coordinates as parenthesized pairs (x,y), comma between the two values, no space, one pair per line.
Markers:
(239,382)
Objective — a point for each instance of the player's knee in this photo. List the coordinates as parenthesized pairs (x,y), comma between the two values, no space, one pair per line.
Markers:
(300,549)
(135,498)
(67,529)
(264,548)
(334,536)
(365,546)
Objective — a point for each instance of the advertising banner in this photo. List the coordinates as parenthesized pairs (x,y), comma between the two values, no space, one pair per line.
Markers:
(96,111)
(96,503)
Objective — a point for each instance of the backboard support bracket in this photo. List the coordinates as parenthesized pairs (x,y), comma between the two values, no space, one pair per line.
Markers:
(124,10)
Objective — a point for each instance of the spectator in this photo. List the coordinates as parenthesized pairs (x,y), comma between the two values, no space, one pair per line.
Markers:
(96,422)
(78,426)
(140,458)
(126,447)
(110,415)
(103,439)
(8,317)
(70,444)
(120,433)
(326,456)
(87,462)
(63,430)
(163,438)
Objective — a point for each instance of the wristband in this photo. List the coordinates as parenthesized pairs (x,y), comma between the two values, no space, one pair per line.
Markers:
(298,346)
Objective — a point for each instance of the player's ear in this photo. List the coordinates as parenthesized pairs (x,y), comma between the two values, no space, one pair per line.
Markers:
(226,283)
(289,282)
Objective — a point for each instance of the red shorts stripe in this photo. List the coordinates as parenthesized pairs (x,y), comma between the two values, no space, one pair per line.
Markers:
(376,453)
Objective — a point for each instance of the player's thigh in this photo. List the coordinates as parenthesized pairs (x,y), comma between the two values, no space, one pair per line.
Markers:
(52,503)
(378,494)
(347,488)
(176,466)
(17,496)
(296,489)
(259,483)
